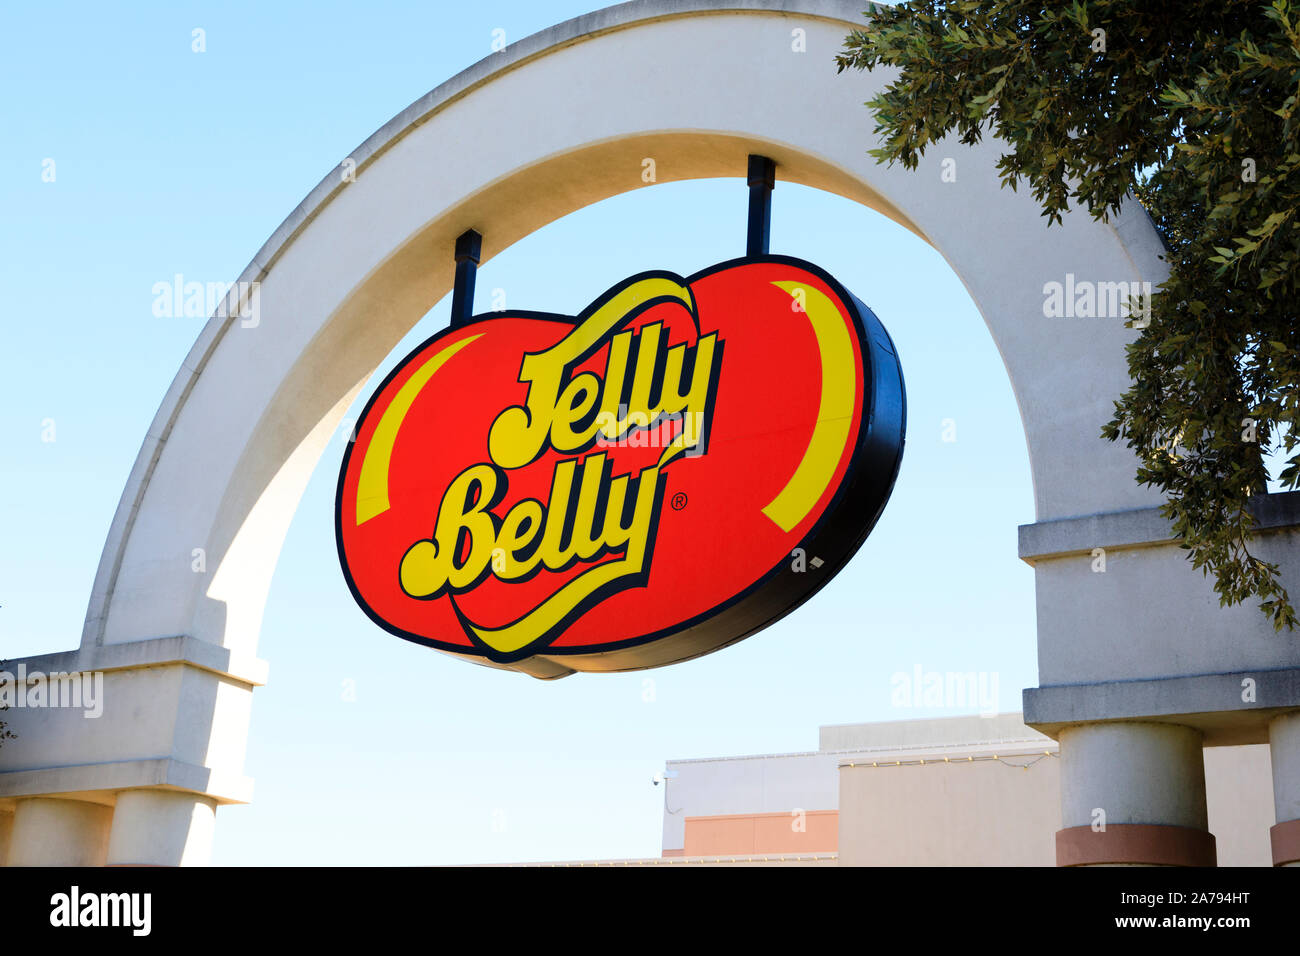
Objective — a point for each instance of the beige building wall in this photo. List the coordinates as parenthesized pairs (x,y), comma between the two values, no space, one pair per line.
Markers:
(974,810)
(1239,799)
(954,791)
(958,813)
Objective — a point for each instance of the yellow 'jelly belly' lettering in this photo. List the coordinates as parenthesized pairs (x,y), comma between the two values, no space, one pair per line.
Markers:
(563,414)
(590,513)
(568,527)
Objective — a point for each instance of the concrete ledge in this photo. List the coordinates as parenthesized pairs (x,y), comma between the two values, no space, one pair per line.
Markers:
(1212,703)
(157,652)
(99,782)
(1141,843)
(1136,528)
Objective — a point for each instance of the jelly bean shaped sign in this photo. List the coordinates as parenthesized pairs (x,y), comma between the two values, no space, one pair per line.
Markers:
(682,464)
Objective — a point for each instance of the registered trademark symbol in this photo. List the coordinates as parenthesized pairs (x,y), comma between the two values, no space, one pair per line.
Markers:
(678,501)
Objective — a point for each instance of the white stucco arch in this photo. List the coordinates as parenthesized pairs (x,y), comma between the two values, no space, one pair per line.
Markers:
(551,124)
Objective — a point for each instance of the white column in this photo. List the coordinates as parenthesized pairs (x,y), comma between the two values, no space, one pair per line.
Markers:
(162,828)
(48,831)
(1133,793)
(1284,749)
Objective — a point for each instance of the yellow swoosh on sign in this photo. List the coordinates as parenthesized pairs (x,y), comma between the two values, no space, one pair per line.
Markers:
(372,484)
(613,311)
(550,612)
(834,414)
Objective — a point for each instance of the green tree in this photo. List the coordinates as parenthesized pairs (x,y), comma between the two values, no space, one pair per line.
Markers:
(1192,108)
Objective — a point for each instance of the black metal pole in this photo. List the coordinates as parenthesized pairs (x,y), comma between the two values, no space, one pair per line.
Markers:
(469,248)
(762,179)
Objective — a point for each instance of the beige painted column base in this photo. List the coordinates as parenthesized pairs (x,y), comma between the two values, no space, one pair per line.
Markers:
(51,832)
(1284,751)
(1138,844)
(1133,792)
(6,831)
(161,828)
(1285,838)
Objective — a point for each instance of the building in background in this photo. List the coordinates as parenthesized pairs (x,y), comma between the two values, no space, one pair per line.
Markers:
(957,791)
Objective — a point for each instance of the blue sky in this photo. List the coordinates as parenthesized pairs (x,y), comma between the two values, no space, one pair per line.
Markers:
(169,161)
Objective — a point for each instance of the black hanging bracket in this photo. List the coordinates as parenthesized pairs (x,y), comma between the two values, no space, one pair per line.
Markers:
(762,179)
(469,249)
